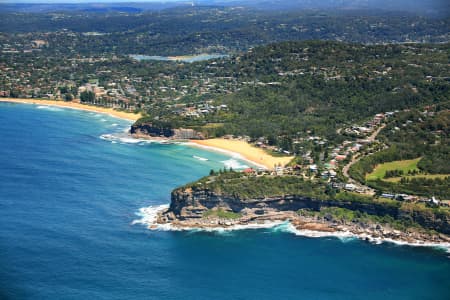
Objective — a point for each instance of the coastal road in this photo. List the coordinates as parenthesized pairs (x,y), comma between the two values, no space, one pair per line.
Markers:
(355,159)
(371,139)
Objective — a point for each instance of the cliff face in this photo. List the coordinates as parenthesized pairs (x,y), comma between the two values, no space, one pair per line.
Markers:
(188,204)
(151,130)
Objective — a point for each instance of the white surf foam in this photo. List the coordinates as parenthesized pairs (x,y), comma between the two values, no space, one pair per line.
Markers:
(234,164)
(347,236)
(200,158)
(123,138)
(288,227)
(149,214)
(232,154)
(51,108)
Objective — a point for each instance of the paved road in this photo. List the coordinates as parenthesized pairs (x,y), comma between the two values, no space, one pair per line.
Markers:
(355,159)
(371,138)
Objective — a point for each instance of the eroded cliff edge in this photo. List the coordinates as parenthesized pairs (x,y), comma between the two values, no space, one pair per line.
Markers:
(193,207)
(144,128)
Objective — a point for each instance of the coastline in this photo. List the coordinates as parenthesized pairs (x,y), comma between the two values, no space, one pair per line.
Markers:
(312,228)
(242,150)
(74,105)
(237,149)
(307,227)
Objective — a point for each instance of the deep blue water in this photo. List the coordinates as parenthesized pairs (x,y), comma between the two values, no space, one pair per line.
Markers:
(68,198)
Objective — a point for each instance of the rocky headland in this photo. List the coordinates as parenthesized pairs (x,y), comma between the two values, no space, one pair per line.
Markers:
(205,209)
(155,129)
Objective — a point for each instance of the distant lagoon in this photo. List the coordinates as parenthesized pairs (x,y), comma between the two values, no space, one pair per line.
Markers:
(184,58)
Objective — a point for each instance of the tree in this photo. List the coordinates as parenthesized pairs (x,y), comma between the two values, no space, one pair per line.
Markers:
(87,96)
(68,97)
(330,191)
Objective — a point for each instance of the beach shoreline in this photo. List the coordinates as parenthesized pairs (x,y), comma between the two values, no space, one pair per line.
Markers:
(132,117)
(242,150)
(233,154)
(236,149)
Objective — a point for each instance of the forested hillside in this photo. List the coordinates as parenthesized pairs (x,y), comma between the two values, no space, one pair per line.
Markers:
(420,135)
(291,88)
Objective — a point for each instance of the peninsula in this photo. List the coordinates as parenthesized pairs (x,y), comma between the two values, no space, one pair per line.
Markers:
(332,200)
(233,200)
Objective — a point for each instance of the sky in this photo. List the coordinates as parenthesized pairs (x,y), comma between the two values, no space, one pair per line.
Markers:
(386,4)
(243,1)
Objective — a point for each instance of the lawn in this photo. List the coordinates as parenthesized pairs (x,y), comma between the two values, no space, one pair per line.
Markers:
(405,165)
(427,176)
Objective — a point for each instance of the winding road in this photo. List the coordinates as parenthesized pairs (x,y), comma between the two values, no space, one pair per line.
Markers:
(356,158)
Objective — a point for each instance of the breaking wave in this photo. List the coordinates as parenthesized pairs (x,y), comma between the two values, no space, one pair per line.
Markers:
(149,214)
(47,107)
(288,227)
(123,138)
(234,164)
(200,158)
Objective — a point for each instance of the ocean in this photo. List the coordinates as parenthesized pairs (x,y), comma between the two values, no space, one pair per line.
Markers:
(71,186)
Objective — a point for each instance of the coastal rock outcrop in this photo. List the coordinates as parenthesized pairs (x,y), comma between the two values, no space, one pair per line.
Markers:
(188,205)
(152,129)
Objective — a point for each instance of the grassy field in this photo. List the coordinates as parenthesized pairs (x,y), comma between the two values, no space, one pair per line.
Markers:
(212,125)
(427,176)
(220,213)
(405,165)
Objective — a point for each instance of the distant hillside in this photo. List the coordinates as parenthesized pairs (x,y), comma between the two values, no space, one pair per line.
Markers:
(436,7)
(187,29)
(430,7)
(127,7)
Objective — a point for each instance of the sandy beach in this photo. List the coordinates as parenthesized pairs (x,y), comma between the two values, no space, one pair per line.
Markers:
(247,151)
(75,105)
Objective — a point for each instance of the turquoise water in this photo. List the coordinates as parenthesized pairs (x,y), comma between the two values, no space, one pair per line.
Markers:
(200,57)
(68,199)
